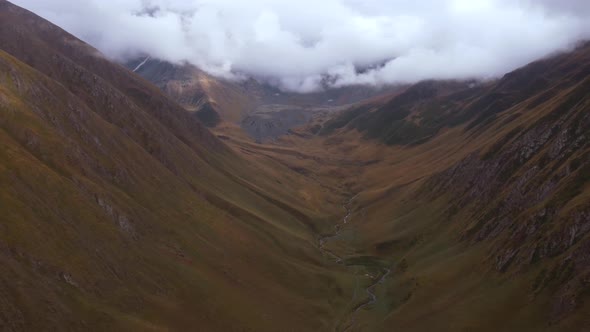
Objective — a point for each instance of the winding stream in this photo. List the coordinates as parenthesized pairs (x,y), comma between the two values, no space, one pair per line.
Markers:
(370,290)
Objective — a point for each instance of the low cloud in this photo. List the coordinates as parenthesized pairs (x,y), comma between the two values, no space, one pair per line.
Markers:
(304,45)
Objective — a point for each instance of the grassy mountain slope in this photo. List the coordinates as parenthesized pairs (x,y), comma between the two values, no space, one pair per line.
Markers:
(480,210)
(418,113)
(120,211)
(482,204)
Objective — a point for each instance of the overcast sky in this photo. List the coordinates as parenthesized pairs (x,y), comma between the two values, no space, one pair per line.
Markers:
(296,43)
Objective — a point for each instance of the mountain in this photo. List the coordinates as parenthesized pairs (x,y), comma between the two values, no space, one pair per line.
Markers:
(479,195)
(121,211)
(133,198)
(262,110)
(425,108)
(212,99)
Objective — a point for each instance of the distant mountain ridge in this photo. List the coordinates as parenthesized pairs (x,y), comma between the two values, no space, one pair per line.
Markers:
(233,101)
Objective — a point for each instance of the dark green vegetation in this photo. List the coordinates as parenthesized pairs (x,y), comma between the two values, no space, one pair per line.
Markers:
(119,210)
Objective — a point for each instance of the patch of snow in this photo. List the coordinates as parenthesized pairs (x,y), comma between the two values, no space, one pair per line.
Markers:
(141,64)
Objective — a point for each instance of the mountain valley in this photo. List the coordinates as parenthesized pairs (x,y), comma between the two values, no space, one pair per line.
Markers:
(150,196)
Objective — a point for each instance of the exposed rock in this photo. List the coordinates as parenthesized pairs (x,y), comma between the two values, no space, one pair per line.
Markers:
(69,279)
(121,219)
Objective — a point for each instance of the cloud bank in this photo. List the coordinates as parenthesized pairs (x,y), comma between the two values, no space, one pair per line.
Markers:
(304,45)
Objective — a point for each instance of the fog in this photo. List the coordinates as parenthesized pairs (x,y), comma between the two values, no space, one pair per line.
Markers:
(305,45)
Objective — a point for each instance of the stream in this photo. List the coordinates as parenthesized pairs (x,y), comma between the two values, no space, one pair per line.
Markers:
(370,290)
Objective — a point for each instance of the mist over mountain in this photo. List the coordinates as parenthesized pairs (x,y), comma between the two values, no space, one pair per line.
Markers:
(296,46)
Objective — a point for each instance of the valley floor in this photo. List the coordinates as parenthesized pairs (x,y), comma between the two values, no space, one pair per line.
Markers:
(339,242)
(411,272)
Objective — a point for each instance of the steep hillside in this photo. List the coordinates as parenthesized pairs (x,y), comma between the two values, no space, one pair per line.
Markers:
(120,211)
(474,196)
(421,111)
(480,200)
